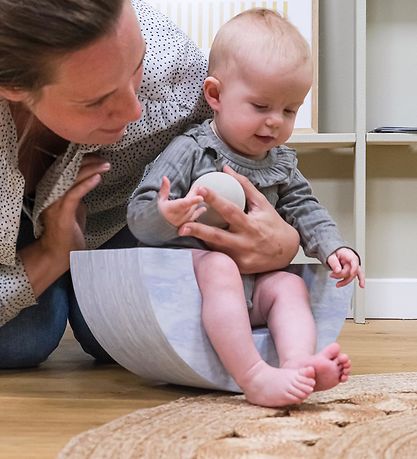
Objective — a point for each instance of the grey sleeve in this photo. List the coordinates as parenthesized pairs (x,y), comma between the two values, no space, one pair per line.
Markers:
(143,217)
(298,206)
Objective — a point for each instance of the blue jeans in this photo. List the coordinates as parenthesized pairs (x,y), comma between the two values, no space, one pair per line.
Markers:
(28,339)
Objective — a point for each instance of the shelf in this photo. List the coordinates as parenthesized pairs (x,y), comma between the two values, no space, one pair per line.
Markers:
(374,138)
(301,258)
(347,140)
(316,140)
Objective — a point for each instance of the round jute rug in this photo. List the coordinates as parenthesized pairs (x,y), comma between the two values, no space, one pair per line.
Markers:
(371,416)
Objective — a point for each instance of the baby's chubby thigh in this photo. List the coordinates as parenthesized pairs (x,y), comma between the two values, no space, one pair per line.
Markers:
(215,270)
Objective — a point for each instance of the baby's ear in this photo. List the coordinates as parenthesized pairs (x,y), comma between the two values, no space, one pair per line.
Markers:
(212,92)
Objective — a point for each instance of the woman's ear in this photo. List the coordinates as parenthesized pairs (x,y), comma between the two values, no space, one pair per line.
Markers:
(212,92)
(13,95)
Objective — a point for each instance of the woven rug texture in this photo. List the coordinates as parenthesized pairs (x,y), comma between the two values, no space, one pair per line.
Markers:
(371,416)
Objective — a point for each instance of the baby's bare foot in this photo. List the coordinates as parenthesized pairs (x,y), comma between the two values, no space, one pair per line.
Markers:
(330,365)
(269,386)
(346,367)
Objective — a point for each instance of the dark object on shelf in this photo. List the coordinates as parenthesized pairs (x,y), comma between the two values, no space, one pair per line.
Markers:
(396,129)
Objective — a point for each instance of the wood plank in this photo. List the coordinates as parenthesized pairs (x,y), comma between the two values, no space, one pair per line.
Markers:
(381,346)
(41,409)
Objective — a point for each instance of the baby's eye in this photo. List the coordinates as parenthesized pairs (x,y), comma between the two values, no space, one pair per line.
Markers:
(290,112)
(260,106)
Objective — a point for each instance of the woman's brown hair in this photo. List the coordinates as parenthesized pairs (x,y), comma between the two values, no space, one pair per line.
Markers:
(35,33)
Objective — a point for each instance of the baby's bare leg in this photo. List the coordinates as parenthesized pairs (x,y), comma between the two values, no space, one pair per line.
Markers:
(281,300)
(226,321)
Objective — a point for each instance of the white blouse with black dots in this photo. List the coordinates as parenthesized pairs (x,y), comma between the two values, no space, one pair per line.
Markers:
(171,98)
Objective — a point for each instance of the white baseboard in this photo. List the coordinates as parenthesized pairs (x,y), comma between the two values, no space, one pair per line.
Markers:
(394,298)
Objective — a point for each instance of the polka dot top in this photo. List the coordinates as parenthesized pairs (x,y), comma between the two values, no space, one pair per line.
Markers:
(171,98)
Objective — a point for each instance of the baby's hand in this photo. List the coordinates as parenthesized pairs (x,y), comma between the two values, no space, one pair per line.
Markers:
(182,210)
(345,266)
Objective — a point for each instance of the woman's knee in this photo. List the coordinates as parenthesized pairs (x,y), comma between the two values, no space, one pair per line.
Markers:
(28,339)
(26,343)
(27,353)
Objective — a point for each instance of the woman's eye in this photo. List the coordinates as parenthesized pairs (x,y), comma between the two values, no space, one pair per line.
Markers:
(96,104)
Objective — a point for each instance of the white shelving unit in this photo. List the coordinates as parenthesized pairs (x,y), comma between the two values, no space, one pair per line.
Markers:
(367,79)
(359,198)
(391,179)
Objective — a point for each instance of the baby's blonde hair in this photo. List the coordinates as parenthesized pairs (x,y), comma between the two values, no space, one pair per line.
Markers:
(255,32)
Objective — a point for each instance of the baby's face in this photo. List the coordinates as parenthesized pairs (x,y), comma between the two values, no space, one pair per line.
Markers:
(258,106)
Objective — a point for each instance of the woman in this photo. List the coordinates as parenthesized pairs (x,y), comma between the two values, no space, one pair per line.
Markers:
(88,98)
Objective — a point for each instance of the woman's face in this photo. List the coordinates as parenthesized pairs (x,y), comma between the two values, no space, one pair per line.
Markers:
(94,94)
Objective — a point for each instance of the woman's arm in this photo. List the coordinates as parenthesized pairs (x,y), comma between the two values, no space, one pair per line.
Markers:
(40,263)
(258,241)
(47,258)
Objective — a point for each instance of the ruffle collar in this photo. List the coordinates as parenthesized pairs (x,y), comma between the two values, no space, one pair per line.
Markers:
(278,167)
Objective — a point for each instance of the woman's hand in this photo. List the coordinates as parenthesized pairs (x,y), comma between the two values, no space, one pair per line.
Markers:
(64,220)
(64,224)
(258,241)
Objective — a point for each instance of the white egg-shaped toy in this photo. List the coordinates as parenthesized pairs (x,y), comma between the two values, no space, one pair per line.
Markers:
(225,186)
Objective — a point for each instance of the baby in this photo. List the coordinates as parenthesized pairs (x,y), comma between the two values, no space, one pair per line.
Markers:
(260,71)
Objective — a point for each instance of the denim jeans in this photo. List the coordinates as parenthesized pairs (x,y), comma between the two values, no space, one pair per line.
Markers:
(29,338)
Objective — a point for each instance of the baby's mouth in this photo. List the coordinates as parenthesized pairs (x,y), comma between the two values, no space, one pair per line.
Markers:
(265,138)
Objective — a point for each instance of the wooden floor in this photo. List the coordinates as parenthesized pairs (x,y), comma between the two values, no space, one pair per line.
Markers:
(41,409)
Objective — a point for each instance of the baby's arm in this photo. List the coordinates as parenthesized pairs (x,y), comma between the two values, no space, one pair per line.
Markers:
(147,215)
(345,265)
(318,231)
(181,210)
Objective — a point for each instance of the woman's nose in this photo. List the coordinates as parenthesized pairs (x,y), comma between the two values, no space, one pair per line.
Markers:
(133,107)
(128,107)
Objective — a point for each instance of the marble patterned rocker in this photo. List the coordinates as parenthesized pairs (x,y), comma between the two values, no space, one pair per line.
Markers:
(143,306)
